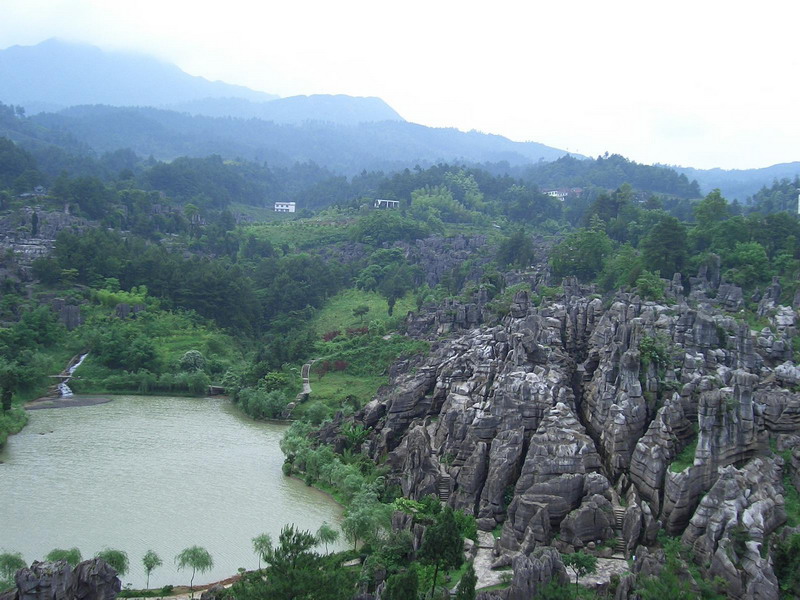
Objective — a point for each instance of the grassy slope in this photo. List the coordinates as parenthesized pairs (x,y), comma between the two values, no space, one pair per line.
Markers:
(367,356)
(337,314)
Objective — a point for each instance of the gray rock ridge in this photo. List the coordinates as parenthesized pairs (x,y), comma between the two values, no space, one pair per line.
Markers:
(734,521)
(91,579)
(559,423)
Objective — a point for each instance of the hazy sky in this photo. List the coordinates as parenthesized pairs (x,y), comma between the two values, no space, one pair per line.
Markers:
(704,83)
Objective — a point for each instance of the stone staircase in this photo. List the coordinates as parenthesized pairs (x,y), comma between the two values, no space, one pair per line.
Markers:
(444,487)
(619,521)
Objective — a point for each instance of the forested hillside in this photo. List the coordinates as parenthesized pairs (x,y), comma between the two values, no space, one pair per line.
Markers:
(538,365)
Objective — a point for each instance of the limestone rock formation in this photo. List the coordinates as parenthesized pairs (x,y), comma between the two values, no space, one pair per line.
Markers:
(734,521)
(566,419)
(92,579)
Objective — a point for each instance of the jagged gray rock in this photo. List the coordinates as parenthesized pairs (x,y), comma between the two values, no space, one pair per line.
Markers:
(732,523)
(532,573)
(91,579)
(525,420)
(561,468)
(592,521)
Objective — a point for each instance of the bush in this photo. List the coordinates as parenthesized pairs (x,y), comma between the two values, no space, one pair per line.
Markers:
(261,404)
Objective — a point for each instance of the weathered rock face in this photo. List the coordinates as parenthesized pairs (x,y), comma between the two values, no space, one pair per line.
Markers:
(592,521)
(667,434)
(16,232)
(531,574)
(90,580)
(731,431)
(560,469)
(732,524)
(565,418)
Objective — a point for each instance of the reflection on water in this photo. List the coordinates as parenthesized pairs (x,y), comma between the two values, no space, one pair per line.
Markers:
(151,472)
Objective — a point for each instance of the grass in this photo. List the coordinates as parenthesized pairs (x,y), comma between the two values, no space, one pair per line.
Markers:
(791,496)
(334,387)
(367,356)
(299,235)
(11,422)
(685,458)
(261,214)
(337,314)
(457,574)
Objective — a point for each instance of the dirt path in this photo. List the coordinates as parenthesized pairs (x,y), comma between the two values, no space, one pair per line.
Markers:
(483,562)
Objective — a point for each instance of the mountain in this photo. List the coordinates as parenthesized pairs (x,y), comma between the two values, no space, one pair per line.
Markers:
(56,74)
(740,184)
(345,110)
(346,149)
(81,96)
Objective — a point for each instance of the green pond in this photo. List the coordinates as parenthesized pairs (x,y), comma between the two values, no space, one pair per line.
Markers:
(158,473)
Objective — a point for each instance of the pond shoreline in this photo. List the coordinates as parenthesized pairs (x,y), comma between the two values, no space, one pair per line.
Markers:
(75,461)
(68,402)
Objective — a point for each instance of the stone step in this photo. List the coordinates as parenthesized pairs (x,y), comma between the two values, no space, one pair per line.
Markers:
(444,488)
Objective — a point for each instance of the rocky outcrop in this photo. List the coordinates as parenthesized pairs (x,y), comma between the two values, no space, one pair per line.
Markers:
(666,436)
(560,469)
(532,574)
(90,580)
(731,430)
(566,420)
(732,524)
(592,521)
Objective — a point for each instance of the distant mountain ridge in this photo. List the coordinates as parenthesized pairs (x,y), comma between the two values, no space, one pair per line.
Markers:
(346,149)
(340,109)
(55,73)
(740,184)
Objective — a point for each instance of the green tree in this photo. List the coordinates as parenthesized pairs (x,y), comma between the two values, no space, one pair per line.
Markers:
(466,587)
(516,250)
(295,572)
(395,285)
(360,311)
(664,247)
(749,264)
(554,591)
(582,253)
(402,586)
(10,563)
(786,560)
(442,544)
(118,559)
(196,558)
(650,286)
(621,269)
(151,561)
(366,517)
(711,209)
(72,555)
(262,544)
(581,564)
(327,535)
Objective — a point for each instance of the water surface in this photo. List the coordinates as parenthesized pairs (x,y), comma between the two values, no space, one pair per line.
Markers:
(151,472)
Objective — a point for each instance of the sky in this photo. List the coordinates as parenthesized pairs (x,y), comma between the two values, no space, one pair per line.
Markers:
(702,83)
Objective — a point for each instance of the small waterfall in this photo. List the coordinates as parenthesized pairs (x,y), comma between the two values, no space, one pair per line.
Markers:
(63,388)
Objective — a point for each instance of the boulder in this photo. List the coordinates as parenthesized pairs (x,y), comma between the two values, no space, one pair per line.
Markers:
(92,579)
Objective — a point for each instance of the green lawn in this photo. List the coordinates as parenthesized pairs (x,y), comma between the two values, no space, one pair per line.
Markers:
(299,235)
(335,386)
(337,314)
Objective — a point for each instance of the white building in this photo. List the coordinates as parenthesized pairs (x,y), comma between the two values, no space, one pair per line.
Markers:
(381,203)
(284,207)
